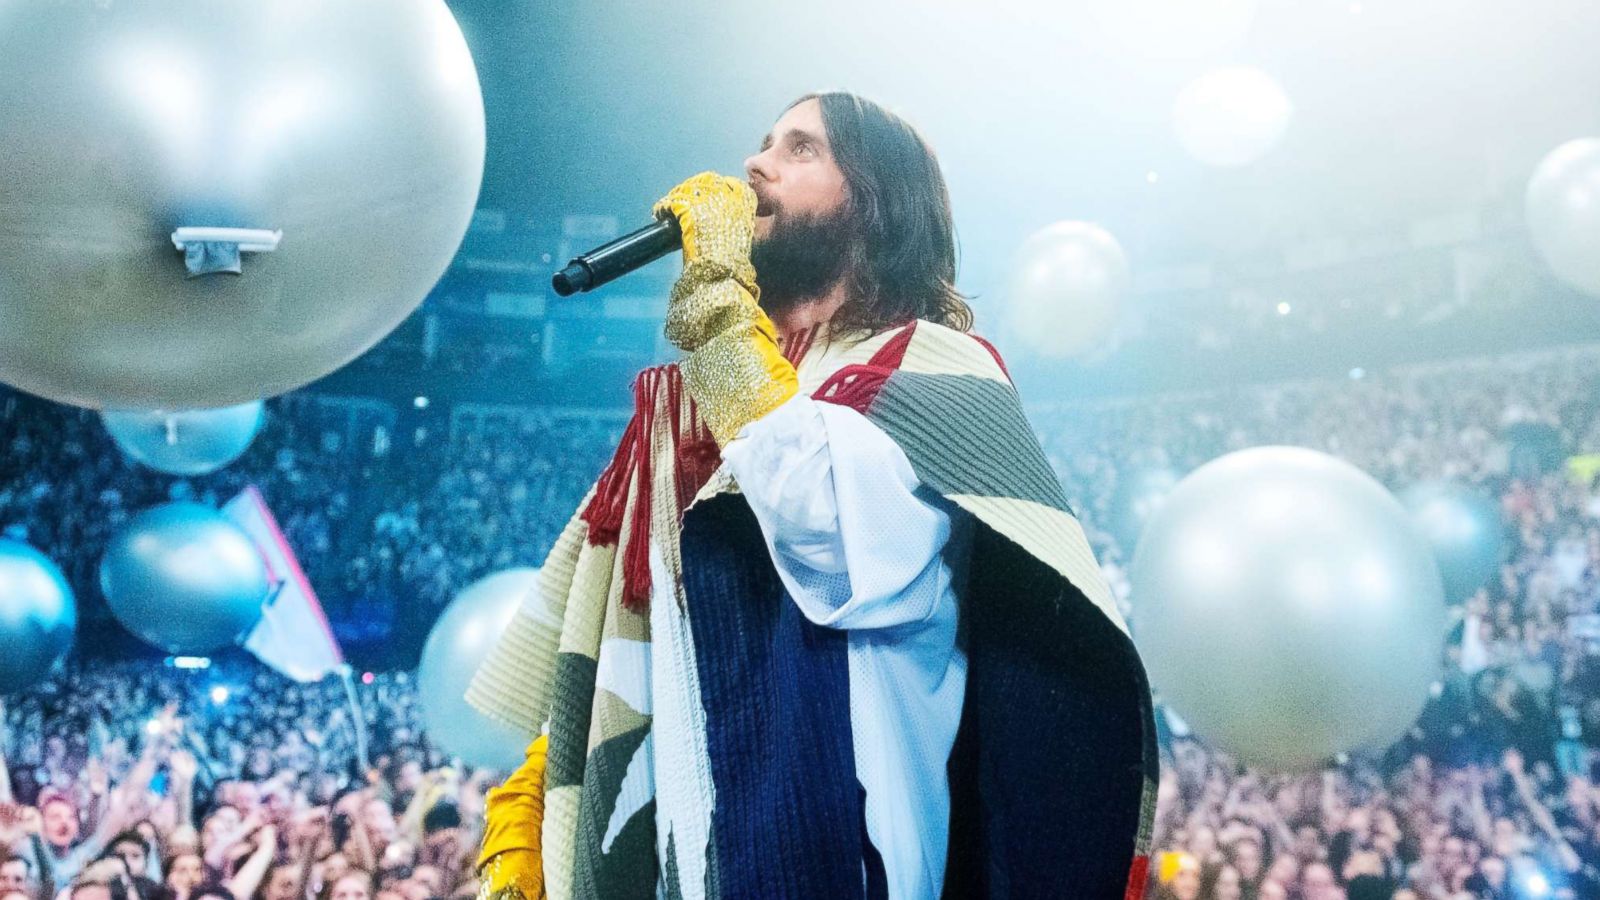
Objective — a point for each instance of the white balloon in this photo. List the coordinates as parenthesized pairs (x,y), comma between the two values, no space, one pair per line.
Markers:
(456,646)
(1563,210)
(354,127)
(1287,608)
(1067,290)
(186,443)
(184,578)
(1231,116)
(38,616)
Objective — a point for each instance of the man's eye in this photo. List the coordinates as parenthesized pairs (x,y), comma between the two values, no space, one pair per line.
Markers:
(804,147)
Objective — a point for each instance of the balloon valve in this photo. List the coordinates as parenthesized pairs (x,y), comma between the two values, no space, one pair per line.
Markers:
(209,251)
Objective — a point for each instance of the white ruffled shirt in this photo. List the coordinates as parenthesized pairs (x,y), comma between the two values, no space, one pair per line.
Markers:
(862,546)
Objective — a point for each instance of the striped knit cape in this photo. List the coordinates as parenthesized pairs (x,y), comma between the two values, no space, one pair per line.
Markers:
(699,732)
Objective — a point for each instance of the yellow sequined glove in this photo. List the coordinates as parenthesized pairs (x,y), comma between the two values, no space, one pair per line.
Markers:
(734,371)
(511,865)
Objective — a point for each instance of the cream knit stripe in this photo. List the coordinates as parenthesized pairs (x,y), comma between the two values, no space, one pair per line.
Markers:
(937,350)
(513,683)
(1039,530)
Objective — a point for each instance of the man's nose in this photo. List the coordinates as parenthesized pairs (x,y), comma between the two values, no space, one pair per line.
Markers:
(756,168)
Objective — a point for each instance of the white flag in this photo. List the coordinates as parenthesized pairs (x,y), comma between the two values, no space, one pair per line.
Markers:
(293,636)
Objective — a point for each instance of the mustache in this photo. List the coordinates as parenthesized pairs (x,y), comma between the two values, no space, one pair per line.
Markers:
(765,205)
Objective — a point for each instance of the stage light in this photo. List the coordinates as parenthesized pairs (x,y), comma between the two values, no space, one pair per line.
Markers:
(1537,885)
(1283,308)
(366,677)
(420,403)
(219,695)
(1357,373)
(191,662)
(1231,116)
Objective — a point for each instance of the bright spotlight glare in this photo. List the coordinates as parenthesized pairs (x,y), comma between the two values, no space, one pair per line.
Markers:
(1231,116)
(219,695)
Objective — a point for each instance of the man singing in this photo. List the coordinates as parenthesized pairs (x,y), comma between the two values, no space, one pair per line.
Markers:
(826,626)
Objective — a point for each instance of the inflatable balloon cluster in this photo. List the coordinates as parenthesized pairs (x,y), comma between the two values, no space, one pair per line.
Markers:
(1286,607)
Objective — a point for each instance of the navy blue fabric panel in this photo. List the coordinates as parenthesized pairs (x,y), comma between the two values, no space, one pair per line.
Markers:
(1056,742)
(788,821)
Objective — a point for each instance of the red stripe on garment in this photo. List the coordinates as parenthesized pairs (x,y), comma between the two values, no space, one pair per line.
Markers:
(799,344)
(994,353)
(1138,875)
(857,386)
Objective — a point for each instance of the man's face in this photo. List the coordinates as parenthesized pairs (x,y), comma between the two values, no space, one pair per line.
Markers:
(185,874)
(795,174)
(430,878)
(350,887)
(14,875)
(283,884)
(806,234)
(60,823)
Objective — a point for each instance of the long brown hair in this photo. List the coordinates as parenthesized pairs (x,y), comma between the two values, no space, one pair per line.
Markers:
(903,263)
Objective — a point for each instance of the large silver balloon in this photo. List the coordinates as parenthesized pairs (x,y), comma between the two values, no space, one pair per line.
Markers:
(186,443)
(38,616)
(184,578)
(1463,527)
(354,127)
(456,646)
(1067,290)
(1286,608)
(1563,210)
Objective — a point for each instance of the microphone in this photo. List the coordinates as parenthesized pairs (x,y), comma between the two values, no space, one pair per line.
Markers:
(619,257)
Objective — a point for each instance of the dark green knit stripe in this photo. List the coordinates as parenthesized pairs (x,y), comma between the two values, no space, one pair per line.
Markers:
(629,869)
(572,704)
(965,434)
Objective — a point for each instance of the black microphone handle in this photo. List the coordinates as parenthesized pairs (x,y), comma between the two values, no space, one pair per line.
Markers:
(619,257)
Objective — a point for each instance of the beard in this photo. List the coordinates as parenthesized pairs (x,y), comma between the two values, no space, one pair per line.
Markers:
(802,257)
